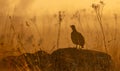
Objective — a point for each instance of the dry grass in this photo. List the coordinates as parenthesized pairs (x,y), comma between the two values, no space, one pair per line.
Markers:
(19,35)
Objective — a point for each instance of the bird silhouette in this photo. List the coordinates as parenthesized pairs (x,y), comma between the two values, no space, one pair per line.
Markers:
(77,38)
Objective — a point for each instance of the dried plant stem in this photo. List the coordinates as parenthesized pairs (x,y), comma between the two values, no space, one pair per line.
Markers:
(100,22)
(59,29)
(12,35)
(115,16)
(35,24)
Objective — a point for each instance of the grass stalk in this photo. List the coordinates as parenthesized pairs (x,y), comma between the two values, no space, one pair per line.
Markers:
(98,10)
(59,29)
(99,18)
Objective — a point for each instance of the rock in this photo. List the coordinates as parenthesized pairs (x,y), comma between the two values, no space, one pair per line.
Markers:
(42,59)
(37,61)
(66,59)
(72,59)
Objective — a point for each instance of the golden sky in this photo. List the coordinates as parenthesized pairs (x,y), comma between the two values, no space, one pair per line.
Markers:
(38,6)
(53,5)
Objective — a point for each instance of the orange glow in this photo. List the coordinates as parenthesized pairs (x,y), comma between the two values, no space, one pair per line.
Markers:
(38,6)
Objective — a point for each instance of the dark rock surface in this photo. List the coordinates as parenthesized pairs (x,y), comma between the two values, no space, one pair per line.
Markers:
(71,59)
(66,59)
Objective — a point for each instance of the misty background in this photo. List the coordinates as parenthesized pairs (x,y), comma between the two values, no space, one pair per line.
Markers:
(28,25)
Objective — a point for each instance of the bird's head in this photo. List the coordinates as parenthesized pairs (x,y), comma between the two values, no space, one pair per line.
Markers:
(73,27)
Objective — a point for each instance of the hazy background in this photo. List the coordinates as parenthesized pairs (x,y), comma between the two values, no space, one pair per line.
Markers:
(30,25)
(28,7)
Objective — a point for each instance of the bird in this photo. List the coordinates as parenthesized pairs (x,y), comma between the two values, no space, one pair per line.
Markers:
(77,38)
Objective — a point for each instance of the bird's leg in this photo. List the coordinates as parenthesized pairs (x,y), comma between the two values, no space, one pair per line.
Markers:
(82,46)
(79,46)
(76,46)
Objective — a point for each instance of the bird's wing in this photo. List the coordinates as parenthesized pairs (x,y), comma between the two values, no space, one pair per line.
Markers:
(80,36)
